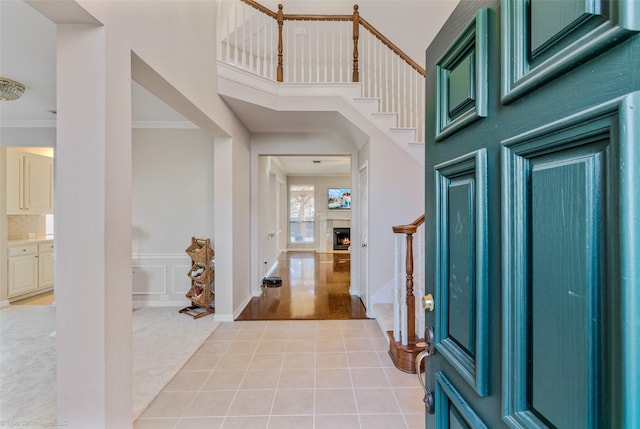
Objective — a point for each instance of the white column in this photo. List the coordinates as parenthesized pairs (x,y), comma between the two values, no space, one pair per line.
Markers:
(223,215)
(93,232)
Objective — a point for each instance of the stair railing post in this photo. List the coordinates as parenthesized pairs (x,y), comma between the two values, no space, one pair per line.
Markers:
(280,19)
(411,302)
(356,35)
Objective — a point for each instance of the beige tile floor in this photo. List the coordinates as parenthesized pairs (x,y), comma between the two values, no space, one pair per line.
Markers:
(290,374)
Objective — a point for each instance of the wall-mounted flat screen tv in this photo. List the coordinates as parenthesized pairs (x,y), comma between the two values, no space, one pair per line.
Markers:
(339,198)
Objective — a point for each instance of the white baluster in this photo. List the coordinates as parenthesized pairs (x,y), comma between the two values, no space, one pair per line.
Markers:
(243,36)
(369,65)
(302,32)
(273,34)
(265,50)
(235,34)
(319,60)
(252,54)
(421,285)
(403,303)
(396,291)
(289,52)
(227,32)
(340,26)
(411,98)
(324,49)
(309,53)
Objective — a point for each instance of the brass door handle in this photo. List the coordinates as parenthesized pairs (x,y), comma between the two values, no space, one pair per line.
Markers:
(428,303)
(363,245)
(429,404)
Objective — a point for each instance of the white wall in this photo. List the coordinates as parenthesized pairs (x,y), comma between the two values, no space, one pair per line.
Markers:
(32,137)
(241,230)
(172,198)
(396,197)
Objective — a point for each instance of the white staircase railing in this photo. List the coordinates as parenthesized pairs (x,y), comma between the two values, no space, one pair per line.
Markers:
(322,48)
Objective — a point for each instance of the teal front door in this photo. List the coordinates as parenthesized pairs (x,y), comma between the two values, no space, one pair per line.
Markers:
(533,209)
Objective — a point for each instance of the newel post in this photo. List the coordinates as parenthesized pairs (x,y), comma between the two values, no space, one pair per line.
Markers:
(280,19)
(411,302)
(356,35)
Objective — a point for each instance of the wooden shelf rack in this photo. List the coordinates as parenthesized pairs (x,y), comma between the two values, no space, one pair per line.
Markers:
(202,275)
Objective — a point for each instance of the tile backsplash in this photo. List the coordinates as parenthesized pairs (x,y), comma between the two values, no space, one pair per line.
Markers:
(19,226)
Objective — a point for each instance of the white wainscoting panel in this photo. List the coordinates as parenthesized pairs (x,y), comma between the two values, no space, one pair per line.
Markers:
(160,279)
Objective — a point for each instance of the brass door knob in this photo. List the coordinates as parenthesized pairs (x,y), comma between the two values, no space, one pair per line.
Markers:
(428,303)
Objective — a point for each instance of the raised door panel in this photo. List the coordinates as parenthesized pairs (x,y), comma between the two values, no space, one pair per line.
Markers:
(461,79)
(543,39)
(23,274)
(15,177)
(461,273)
(563,288)
(45,270)
(39,184)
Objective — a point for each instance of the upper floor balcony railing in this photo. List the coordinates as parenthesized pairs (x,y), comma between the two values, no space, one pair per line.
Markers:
(322,49)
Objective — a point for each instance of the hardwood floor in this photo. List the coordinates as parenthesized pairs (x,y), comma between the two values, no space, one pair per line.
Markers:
(42,299)
(314,286)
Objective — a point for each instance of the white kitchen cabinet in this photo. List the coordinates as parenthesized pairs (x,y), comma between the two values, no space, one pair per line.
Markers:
(29,183)
(23,269)
(45,265)
(30,268)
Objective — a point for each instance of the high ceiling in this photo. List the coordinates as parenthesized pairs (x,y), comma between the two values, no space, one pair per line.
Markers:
(28,55)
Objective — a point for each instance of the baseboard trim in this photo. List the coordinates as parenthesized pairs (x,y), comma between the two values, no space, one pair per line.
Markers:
(241,307)
(223,317)
(181,303)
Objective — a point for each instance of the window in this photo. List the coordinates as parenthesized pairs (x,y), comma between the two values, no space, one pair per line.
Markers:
(301,213)
(49,224)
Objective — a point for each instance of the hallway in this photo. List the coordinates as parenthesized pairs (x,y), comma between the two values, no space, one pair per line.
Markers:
(315,286)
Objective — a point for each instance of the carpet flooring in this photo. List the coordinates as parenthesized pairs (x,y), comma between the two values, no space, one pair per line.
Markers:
(163,341)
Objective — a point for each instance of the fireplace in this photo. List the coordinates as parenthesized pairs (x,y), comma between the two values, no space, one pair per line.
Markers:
(341,238)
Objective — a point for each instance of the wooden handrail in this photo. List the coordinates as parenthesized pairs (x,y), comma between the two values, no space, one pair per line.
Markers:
(409,228)
(261,8)
(391,46)
(356,18)
(298,17)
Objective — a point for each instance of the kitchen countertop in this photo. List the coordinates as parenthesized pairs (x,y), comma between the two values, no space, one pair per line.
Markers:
(21,241)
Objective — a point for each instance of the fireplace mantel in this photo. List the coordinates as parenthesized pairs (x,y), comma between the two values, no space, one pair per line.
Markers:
(334,215)
(327,220)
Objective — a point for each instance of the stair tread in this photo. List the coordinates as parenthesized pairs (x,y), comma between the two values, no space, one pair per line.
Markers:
(384,315)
